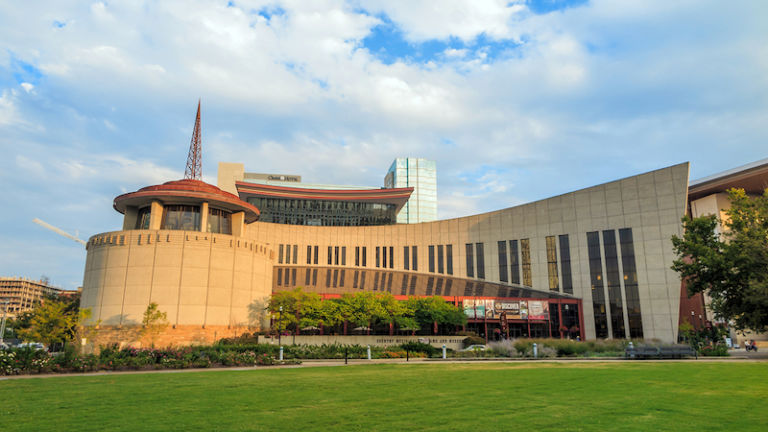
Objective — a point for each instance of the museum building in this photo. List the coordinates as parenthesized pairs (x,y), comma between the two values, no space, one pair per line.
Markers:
(593,263)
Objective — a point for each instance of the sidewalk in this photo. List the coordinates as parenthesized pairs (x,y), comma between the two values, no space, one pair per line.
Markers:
(735,356)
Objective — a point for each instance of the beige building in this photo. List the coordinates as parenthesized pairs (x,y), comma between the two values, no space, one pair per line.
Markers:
(709,196)
(201,254)
(24,294)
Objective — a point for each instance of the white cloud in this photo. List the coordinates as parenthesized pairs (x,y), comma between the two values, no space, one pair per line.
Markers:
(424,20)
(589,94)
(8,113)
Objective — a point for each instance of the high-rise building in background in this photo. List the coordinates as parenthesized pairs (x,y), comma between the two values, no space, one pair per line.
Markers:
(420,174)
(24,294)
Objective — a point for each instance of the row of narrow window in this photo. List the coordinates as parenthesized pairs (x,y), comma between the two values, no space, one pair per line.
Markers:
(284,253)
(516,262)
(320,280)
(381,257)
(609,316)
(444,259)
(471,248)
(552,243)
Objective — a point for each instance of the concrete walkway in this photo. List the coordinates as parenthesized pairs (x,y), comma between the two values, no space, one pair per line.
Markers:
(735,357)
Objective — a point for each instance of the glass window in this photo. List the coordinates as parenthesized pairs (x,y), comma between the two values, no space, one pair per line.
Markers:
(554,283)
(315,255)
(391,257)
(514,262)
(219,221)
(596,281)
(565,258)
(357,259)
(440,260)
(287,254)
(343,258)
(179,217)
(330,255)
(295,253)
(480,261)
(503,273)
(384,256)
(309,256)
(449,259)
(415,257)
(406,258)
(470,260)
(630,283)
(613,279)
(525,255)
(280,254)
(142,218)
(378,256)
(431,258)
(365,249)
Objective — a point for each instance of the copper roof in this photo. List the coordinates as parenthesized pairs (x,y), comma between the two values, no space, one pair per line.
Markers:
(753,178)
(187,191)
(396,196)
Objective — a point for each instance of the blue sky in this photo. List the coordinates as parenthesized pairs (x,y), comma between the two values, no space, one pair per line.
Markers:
(515,100)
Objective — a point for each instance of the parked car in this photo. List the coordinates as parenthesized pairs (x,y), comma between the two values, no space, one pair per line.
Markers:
(475,348)
(37,346)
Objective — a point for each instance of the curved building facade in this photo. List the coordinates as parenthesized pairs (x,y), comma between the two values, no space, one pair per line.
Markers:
(183,247)
(605,250)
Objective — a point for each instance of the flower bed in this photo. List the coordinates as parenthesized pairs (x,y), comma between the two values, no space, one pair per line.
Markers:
(29,361)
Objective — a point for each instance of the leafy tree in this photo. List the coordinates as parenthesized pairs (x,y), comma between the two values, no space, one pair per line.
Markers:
(731,267)
(300,309)
(429,311)
(330,312)
(153,322)
(53,321)
(362,309)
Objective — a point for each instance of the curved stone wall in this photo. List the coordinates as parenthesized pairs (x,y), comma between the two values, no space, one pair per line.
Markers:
(202,280)
(649,204)
(198,279)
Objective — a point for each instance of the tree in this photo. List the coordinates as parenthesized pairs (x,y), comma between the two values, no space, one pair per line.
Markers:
(431,311)
(53,321)
(153,322)
(300,309)
(731,267)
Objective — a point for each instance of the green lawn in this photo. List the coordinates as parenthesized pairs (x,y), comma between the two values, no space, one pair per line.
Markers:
(642,396)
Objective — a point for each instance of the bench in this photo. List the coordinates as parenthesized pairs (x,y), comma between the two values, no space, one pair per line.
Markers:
(664,352)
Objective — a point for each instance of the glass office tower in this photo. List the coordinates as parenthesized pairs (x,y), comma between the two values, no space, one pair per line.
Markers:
(420,174)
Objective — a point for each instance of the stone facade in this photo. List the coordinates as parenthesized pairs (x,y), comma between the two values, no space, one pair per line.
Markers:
(203,279)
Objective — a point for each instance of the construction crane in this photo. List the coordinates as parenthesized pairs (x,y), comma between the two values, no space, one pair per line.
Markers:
(58,231)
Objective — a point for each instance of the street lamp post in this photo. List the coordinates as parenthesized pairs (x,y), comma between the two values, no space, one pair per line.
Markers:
(279,327)
(2,326)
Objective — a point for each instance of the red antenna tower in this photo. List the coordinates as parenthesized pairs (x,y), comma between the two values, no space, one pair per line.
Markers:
(194,169)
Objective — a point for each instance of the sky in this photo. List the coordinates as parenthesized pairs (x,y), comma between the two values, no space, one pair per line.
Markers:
(515,100)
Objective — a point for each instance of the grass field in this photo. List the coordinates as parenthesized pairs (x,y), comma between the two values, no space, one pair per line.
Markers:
(641,396)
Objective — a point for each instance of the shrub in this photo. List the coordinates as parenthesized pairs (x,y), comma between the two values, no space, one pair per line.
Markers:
(466,333)
(504,348)
(392,354)
(8,363)
(243,339)
(473,340)
(542,351)
(716,350)
(419,347)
